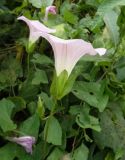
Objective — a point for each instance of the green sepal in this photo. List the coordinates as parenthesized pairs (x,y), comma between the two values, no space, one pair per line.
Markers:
(62,84)
(30,46)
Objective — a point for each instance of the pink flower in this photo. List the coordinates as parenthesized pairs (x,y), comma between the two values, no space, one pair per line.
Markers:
(68,52)
(49,9)
(25,141)
(36,29)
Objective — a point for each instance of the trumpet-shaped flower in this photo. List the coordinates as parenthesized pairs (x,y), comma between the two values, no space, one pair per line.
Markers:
(49,9)
(25,141)
(68,52)
(36,29)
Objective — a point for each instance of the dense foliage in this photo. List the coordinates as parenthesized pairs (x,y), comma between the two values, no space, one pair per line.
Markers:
(88,123)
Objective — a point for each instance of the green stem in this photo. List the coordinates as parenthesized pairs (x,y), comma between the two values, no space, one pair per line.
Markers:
(47,127)
(74,142)
(28,63)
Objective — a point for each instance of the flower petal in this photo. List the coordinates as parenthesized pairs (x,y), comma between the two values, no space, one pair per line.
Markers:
(68,52)
(25,141)
(49,9)
(100,51)
(35,27)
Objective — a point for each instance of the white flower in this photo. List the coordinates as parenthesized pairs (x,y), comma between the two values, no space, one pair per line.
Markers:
(36,29)
(68,52)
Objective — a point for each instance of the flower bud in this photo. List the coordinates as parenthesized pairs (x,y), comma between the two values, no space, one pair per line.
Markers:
(25,141)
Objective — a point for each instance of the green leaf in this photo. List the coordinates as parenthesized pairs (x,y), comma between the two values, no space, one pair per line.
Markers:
(11,71)
(41,59)
(120,68)
(48,101)
(31,126)
(36,3)
(39,77)
(75,109)
(53,131)
(2,2)
(94,24)
(107,5)
(112,133)
(95,58)
(109,156)
(60,30)
(7,152)
(19,102)
(102,102)
(92,93)
(81,153)
(87,121)
(41,3)
(39,152)
(110,20)
(119,154)
(83,118)
(32,106)
(12,150)
(56,154)
(120,73)
(70,17)
(28,91)
(6,108)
